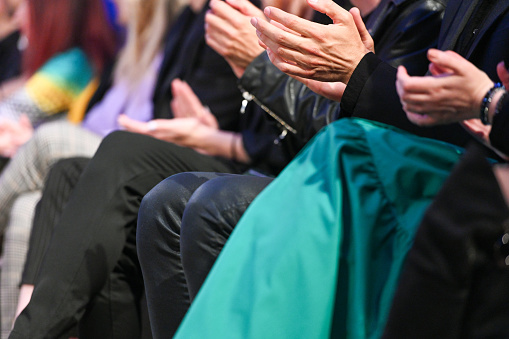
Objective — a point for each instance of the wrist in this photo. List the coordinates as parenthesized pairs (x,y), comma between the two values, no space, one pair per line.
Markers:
(489,103)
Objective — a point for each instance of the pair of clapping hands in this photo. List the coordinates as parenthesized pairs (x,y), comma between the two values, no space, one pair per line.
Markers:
(324,57)
(192,121)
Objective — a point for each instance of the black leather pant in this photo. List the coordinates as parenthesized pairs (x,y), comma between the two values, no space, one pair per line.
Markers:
(183,224)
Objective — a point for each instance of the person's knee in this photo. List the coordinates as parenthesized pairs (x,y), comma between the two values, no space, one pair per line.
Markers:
(48,134)
(155,208)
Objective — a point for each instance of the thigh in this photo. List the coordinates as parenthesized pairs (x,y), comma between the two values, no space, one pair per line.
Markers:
(13,256)
(60,182)
(158,244)
(209,218)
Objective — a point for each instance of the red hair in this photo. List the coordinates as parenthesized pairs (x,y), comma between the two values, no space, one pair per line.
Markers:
(58,25)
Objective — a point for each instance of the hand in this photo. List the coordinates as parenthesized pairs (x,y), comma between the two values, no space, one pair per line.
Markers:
(318,52)
(187,132)
(443,98)
(229,33)
(331,90)
(14,134)
(478,129)
(186,104)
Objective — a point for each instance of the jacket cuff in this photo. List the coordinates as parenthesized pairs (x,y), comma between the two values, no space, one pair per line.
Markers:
(359,77)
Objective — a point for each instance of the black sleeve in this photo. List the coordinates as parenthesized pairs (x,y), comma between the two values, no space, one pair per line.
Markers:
(371,94)
(294,104)
(499,135)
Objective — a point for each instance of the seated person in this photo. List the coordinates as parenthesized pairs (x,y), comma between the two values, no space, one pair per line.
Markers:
(208,205)
(130,86)
(135,163)
(453,283)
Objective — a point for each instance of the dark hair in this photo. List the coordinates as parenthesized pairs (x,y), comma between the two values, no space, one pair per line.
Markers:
(58,25)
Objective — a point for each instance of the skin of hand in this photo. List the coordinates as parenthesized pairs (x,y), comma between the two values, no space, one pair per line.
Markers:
(454,92)
(334,90)
(190,126)
(14,134)
(187,132)
(186,104)
(228,31)
(503,74)
(319,52)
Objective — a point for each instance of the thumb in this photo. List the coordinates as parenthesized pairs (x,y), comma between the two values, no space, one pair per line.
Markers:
(402,74)
(366,38)
(328,7)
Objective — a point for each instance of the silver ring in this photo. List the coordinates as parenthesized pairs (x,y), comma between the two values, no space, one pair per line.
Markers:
(152,125)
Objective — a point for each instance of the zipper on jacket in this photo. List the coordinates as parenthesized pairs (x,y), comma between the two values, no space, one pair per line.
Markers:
(284,126)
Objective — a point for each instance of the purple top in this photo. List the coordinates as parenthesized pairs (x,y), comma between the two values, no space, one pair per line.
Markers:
(136,104)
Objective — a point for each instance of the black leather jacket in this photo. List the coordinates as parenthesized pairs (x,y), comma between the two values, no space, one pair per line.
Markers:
(396,27)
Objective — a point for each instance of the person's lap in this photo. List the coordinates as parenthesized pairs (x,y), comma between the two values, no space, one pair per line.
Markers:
(102,210)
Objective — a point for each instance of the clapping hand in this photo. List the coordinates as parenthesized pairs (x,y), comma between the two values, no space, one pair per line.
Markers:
(310,50)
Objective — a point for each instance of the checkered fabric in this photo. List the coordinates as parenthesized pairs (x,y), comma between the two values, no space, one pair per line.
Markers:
(24,177)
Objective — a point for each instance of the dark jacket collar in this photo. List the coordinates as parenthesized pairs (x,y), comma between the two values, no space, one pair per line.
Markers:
(457,15)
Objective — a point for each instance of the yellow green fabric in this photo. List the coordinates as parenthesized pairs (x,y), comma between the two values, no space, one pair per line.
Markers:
(55,86)
(336,223)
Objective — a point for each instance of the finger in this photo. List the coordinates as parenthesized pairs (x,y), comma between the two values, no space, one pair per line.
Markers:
(366,38)
(284,28)
(402,79)
(286,67)
(245,7)
(449,60)
(420,120)
(407,84)
(226,12)
(273,36)
(133,125)
(293,22)
(328,7)
(216,24)
(503,74)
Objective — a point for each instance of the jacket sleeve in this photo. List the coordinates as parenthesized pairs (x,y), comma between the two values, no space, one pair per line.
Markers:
(296,107)
(371,94)
(499,135)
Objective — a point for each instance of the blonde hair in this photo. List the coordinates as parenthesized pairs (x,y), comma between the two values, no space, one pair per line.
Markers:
(145,35)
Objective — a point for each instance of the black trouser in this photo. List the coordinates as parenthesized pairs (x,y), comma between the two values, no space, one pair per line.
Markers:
(97,228)
(180,235)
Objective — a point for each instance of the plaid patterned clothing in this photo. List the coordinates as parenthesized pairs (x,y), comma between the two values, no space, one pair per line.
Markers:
(24,177)
(28,168)
(13,257)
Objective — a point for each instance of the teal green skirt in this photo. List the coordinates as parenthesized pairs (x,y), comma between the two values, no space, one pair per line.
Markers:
(335,225)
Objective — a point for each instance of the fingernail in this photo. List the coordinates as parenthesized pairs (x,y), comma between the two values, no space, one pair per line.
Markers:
(267,11)
(254,21)
(313,1)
